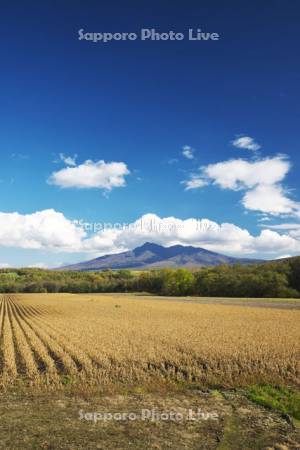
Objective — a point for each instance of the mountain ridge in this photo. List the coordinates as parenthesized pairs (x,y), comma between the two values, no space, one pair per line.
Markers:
(150,255)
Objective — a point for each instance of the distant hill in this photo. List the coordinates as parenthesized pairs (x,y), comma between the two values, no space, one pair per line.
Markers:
(152,255)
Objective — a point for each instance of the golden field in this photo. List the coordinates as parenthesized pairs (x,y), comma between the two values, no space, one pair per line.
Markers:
(59,339)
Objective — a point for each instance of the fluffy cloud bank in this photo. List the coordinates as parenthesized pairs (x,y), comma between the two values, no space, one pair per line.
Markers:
(45,229)
(99,175)
(225,238)
(260,179)
(51,230)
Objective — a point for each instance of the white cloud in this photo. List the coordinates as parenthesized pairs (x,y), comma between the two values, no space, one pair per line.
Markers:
(283,256)
(284,226)
(261,179)
(195,182)
(246,143)
(270,199)
(39,265)
(239,174)
(224,238)
(99,175)
(273,243)
(188,152)
(291,229)
(171,231)
(45,229)
(68,160)
(52,231)
(4,265)
(264,218)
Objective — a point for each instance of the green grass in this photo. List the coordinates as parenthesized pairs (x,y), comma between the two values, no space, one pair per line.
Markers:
(285,400)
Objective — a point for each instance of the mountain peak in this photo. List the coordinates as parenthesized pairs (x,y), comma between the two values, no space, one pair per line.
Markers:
(149,245)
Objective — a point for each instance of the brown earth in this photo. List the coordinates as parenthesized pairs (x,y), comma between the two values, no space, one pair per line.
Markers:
(48,421)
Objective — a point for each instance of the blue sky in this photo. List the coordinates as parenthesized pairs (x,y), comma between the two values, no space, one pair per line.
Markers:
(140,103)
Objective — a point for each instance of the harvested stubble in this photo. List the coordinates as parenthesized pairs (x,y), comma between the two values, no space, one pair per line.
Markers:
(83,339)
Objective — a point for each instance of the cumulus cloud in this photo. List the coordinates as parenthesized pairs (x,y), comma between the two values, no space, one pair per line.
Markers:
(273,243)
(188,152)
(171,231)
(51,230)
(225,238)
(239,174)
(99,175)
(270,199)
(47,229)
(292,229)
(246,143)
(261,180)
(68,160)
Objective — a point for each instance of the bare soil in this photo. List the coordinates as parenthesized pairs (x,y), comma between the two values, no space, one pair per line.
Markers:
(52,421)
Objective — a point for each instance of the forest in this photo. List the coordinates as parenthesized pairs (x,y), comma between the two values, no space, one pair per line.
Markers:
(273,279)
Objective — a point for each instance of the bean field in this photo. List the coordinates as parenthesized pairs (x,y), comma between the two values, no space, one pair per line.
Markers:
(58,339)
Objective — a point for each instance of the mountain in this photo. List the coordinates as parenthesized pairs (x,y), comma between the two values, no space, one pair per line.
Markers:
(152,255)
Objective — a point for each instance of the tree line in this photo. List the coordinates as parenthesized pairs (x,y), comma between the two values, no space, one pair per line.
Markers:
(274,279)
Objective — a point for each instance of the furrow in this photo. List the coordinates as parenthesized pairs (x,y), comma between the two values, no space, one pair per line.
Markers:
(9,356)
(44,361)
(25,351)
(81,358)
(1,335)
(64,363)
